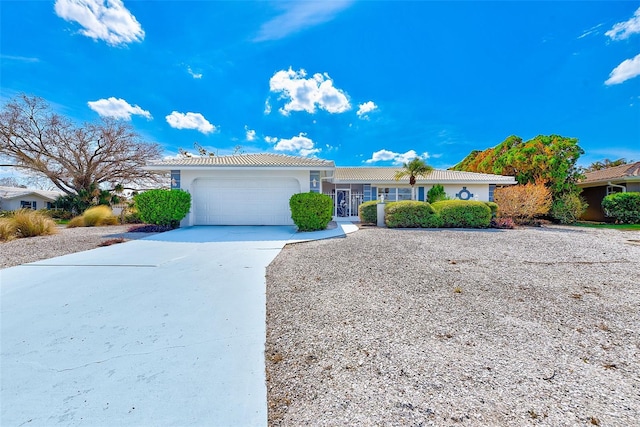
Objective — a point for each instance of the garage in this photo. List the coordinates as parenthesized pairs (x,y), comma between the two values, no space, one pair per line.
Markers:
(243,200)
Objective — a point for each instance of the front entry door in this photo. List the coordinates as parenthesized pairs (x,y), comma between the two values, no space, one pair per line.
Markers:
(343,203)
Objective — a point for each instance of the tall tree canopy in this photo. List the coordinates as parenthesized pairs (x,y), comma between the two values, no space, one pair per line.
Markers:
(549,159)
(75,158)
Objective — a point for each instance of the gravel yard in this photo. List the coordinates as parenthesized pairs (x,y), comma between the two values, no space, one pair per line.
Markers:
(533,326)
(67,241)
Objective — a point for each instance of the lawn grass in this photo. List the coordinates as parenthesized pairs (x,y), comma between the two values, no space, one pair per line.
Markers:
(606,225)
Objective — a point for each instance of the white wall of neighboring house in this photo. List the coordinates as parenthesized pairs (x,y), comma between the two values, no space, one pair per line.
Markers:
(15,204)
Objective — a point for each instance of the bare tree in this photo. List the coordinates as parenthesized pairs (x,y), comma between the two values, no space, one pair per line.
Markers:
(74,158)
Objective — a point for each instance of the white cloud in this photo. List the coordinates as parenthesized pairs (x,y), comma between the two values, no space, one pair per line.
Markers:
(396,158)
(628,69)
(592,30)
(306,94)
(271,139)
(250,133)
(117,108)
(301,144)
(19,58)
(190,121)
(365,108)
(622,30)
(299,15)
(267,106)
(106,20)
(193,73)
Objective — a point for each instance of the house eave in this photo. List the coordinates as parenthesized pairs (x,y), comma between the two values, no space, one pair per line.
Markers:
(234,167)
(604,182)
(422,182)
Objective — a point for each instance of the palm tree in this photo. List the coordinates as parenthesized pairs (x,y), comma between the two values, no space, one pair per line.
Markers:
(415,168)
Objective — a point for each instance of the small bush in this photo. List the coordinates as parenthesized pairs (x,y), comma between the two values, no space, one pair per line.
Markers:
(7,229)
(463,213)
(523,203)
(568,208)
(502,223)
(99,215)
(368,212)
(494,208)
(623,207)
(311,211)
(76,222)
(163,207)
(30,223)
(436,194)
(411,214)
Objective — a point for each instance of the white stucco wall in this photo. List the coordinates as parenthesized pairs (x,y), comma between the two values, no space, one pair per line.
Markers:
(187,178)
(14,204)
(479,190)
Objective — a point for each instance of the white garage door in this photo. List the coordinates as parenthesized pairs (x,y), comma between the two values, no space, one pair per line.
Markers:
(243,201)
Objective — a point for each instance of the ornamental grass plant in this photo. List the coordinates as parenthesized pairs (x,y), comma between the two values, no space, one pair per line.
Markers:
(30,223)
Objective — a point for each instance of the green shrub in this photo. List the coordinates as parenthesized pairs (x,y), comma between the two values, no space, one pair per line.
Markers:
(436,194)
(30,223)
(7,229)
(494,208)
(463,213)
(163,207)
(411,214)
(311,211)
(568,208)
(98,215)
(623,207)
(368,212)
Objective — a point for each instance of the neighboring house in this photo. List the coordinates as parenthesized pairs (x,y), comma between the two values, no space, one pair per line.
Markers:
(254,189)
(599,184)
(13,198)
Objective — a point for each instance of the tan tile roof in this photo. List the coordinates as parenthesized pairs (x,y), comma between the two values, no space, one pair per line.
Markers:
(616,173)
(244,160)
(437,176)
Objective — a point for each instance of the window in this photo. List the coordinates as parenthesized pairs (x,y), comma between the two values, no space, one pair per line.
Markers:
(393,194)
(175,179)
(314,181)
(27,204)
(404,194)
(613,189)
(492,189)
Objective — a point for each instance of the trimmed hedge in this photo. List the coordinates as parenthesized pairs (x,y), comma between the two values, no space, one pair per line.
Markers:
(368,212)
(463,213)
(311,211)
(623,207)
(411,214)
(163,207)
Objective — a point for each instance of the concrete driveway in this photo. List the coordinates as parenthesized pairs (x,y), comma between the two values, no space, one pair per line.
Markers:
(167,330)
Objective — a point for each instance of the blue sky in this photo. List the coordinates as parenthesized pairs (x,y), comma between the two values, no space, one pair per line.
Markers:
(358,82)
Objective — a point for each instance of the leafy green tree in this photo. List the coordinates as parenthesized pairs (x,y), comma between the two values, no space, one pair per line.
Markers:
(548,159)
(415,168)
